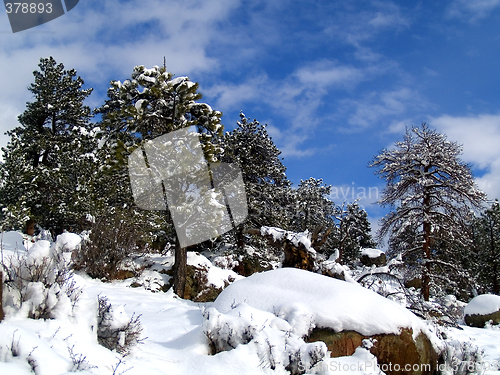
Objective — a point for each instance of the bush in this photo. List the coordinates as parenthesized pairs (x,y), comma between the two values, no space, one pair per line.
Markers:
(39,283)
(110,241)
(114,331)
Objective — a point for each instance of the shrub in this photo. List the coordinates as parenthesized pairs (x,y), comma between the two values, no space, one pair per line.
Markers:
(115,333)
(110,241)
(39,283)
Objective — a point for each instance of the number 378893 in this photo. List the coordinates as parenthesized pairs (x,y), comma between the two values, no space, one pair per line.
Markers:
(28,8)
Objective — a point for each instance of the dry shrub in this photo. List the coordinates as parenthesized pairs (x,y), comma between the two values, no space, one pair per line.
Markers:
(111,240)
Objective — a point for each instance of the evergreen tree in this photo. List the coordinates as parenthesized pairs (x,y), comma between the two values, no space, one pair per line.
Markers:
(352,232)
(487,249)
(148,105)
(312,210)
(50,158)
(432,191)
(267,188)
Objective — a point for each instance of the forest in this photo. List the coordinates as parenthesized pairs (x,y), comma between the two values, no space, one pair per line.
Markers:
(68,187)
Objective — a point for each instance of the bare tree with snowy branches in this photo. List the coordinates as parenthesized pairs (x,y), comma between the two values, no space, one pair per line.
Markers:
(432,194)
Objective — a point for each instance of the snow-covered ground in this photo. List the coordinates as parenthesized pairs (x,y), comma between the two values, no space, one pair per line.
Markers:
(174,339)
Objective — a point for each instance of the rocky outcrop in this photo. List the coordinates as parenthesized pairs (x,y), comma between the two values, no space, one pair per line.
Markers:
(396,354)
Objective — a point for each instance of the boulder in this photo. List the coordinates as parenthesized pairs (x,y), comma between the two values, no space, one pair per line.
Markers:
(346,313)
(396,353)
(482,309)
(370,257)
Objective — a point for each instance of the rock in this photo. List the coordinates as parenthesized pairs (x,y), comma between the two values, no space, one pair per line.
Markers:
(482,309)
(298,257)
(250,265)
(370,257)
(198,289)
(393,352)
(340,275)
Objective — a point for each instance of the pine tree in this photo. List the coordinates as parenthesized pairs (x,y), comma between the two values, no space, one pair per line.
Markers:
(314,211)
(432,191)
(352,232)
(148,105)
(487,249)
(50,158)
(267,188)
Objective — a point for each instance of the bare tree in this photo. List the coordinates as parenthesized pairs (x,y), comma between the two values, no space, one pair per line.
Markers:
(432,192)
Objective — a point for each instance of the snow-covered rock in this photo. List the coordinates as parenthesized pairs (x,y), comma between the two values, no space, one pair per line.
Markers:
(482,309)
(371,257)
(338,313)
(329,303)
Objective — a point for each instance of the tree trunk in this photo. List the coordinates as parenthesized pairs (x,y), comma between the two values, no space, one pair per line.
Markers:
(426,278)
(1,295)
(180,266)
(496,287)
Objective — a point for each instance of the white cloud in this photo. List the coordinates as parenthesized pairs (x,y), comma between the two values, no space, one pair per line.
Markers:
(472,10)
(368,111)
(104,39)
(328,73)
(480,136)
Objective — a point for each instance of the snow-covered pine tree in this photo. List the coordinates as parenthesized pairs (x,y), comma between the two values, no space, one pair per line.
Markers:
(49,161)
(312,210)
(352,232)
(149,104)
(267,188)
(487,249)
(431,190)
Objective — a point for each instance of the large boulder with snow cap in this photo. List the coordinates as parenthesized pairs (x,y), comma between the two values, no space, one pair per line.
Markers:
(370,257)
(310,302)
(482,309)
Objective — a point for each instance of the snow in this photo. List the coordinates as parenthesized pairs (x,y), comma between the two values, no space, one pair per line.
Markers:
(216,276)
(68,242)
(277,307)
(12,242)
(296,238)
(483,304)
(371,253)
(38,252)
(297,296)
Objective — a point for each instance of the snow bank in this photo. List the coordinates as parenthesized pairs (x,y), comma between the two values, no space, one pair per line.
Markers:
(11,242)
(371,253)
(483,305)
(307,300)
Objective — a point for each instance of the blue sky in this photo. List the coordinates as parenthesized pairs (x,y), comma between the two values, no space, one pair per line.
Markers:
(336,81)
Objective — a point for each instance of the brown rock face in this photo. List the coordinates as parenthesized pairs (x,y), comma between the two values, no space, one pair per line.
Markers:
(298,257)
(480,320)
(396,354)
